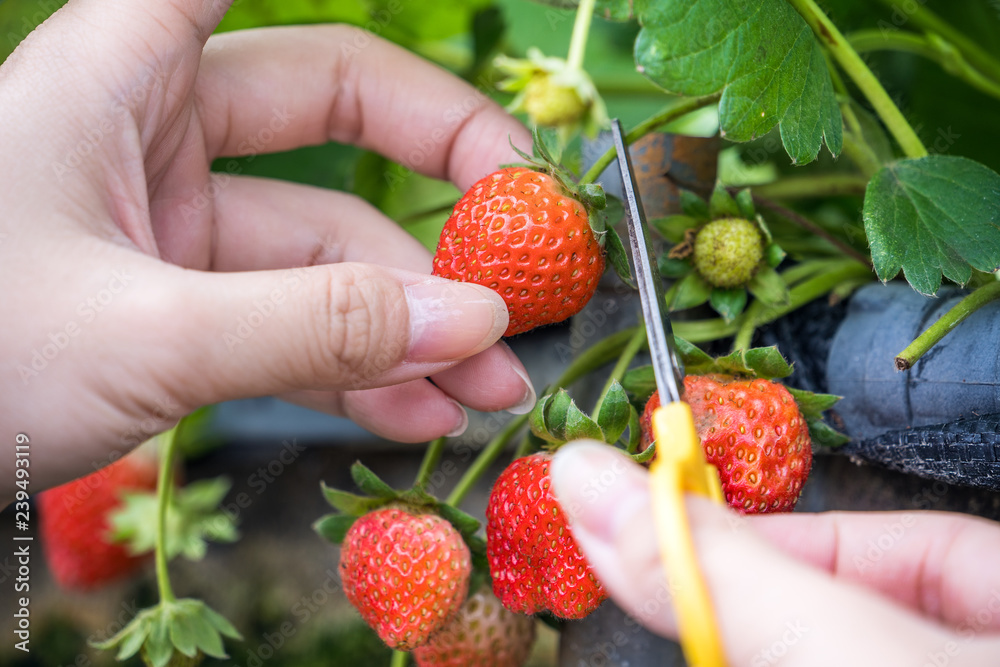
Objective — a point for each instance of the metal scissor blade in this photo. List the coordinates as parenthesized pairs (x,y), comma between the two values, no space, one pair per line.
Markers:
(667,366)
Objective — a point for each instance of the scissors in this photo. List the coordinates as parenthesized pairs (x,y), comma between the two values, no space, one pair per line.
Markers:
(679,465)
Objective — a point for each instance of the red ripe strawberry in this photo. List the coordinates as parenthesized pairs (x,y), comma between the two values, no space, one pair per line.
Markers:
(481,634)
(75,527)
(753,432)
(519,234)
(535,562)
(406,573)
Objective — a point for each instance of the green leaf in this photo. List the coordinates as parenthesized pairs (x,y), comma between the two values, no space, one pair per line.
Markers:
(555,418)
(691,355)
(639,383)
(673,227)
(645,455)
(613,417)
(158,648)
(350,503)
(608,216)
(722,204)
(933,215)
(693,206)
(764,362)
(537,419)
(369,482)
(767,362)
(193,519)
(466,524)
(133,639)
(768,287)
(873,134)
(774,255)
(811,404)
(219,622)
(759,53)
(689,292)
(744,201)
(203,495)
(823,435)
(634,429)
(618,257)
(594,197)
(728,302)
(579,425)
(183,632)
(334,527)
(207,638)
(672,268)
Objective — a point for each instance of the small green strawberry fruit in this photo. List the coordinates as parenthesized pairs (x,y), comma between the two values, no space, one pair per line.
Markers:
(727,252)
(549,103)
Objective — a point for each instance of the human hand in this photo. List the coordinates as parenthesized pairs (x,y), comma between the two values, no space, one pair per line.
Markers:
(839,588)
(139,286)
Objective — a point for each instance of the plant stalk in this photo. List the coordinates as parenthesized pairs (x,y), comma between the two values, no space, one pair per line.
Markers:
(946,55)
(856,68)
(812,227)
(628,354)
(798,296)
(399,659)
(947,322)
(164,492)
(581,30)
(599,354)
(821,185)
(431,459)
(660,118)
(932,23)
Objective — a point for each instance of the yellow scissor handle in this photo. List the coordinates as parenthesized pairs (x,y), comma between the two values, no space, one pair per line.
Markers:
(678,468)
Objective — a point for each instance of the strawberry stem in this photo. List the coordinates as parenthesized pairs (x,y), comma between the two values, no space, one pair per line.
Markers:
(581,30)
(628,354)
(799,295)
(811,227)
(818,185)
(164,490)
(399,659)
(929,338)
(431,459)
(598,355)
(660,118)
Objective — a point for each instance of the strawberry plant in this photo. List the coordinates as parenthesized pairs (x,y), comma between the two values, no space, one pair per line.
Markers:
(827,181)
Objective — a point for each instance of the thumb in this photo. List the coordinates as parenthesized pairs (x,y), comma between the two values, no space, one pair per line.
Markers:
(331,327)
(768,607)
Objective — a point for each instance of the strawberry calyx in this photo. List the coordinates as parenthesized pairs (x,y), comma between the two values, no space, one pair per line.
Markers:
(556,419)
(762,362)
(173,633)
(376,494)
(194,518)
(602,213)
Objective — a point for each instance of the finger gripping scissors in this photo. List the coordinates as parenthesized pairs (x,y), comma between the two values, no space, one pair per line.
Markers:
(679,465)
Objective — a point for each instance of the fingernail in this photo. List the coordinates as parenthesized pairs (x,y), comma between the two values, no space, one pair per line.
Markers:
(597,488)
(463,422)
(452,320)
(525,405)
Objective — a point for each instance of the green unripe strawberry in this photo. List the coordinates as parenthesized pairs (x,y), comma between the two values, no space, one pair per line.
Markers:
(728,251)
(550,103)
